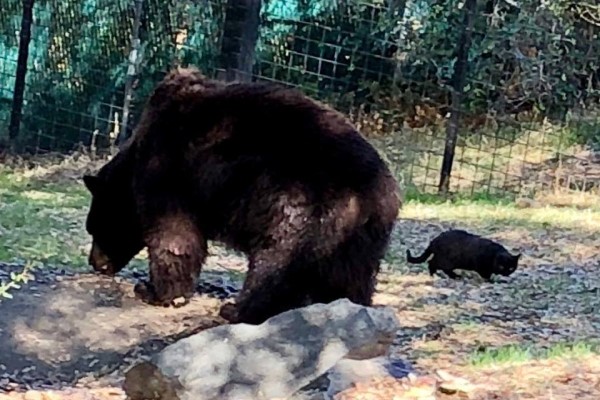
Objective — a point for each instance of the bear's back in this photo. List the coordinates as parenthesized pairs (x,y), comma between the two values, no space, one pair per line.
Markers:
(291,134)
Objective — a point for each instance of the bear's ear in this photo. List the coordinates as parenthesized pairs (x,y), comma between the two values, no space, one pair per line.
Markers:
(92,183)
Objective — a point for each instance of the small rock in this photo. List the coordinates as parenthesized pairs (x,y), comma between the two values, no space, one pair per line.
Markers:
(524,202)
(179,301)
(450,384)
(347,373)
(271,360)
(422,388)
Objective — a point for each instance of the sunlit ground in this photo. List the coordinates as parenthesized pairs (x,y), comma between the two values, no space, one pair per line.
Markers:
(535,333)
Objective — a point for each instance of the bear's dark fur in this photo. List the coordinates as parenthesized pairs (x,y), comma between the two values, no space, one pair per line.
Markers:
(260,168)
(458,249)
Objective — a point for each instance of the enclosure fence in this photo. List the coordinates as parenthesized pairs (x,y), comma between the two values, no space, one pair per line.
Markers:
(488,97)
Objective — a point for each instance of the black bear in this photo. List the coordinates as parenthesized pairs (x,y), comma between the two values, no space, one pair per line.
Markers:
(259,167)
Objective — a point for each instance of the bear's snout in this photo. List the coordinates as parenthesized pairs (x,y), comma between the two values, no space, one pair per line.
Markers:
(99,261)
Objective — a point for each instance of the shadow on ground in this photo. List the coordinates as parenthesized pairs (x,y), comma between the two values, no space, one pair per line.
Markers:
(60,329)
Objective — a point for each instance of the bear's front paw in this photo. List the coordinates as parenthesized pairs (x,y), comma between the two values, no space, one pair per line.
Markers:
(228,312)
(146,292)
(105,271)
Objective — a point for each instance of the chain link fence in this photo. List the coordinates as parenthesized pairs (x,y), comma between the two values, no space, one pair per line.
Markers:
(483,98)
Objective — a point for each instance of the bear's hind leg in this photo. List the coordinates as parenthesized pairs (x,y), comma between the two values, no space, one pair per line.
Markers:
(176,253)
(345,274)
(273,283)
(351,270)
(270,288)
(354,279)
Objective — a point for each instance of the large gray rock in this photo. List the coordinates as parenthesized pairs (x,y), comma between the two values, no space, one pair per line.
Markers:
(268,361)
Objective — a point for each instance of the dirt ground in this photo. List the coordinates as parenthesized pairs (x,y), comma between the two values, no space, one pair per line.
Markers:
(66,329)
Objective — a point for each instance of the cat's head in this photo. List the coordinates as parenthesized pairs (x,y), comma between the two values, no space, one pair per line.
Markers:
(506,263)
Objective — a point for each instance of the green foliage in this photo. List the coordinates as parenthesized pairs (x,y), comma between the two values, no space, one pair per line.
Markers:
(364,57)
(14,282)
(531,59)
(79,58)
(412,195)
(518,354)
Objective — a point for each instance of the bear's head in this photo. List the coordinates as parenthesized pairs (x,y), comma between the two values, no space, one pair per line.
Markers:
(113,224)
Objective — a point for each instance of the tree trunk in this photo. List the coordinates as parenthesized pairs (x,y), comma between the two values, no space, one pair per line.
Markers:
(458,84)
(21,73)
(134,61)
(242,22)
(397,9)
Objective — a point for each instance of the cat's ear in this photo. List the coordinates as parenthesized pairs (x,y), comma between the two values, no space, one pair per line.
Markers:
(517,257)
(92,183)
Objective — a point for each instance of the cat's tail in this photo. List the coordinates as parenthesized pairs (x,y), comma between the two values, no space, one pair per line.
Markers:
(420,259)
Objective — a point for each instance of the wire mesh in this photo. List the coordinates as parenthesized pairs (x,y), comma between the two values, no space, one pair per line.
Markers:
(527,114)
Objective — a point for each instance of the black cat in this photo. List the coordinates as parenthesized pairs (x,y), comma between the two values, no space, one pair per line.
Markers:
(458,249)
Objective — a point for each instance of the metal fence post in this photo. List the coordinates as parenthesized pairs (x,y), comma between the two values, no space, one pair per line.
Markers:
(21,72)
(458,86)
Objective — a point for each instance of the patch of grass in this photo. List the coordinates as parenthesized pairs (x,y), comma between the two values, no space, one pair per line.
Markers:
(42,221)
(488,159)
(481,213)
(14,282)
(519,354)
(412,195)
(571,199)
(467,326)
